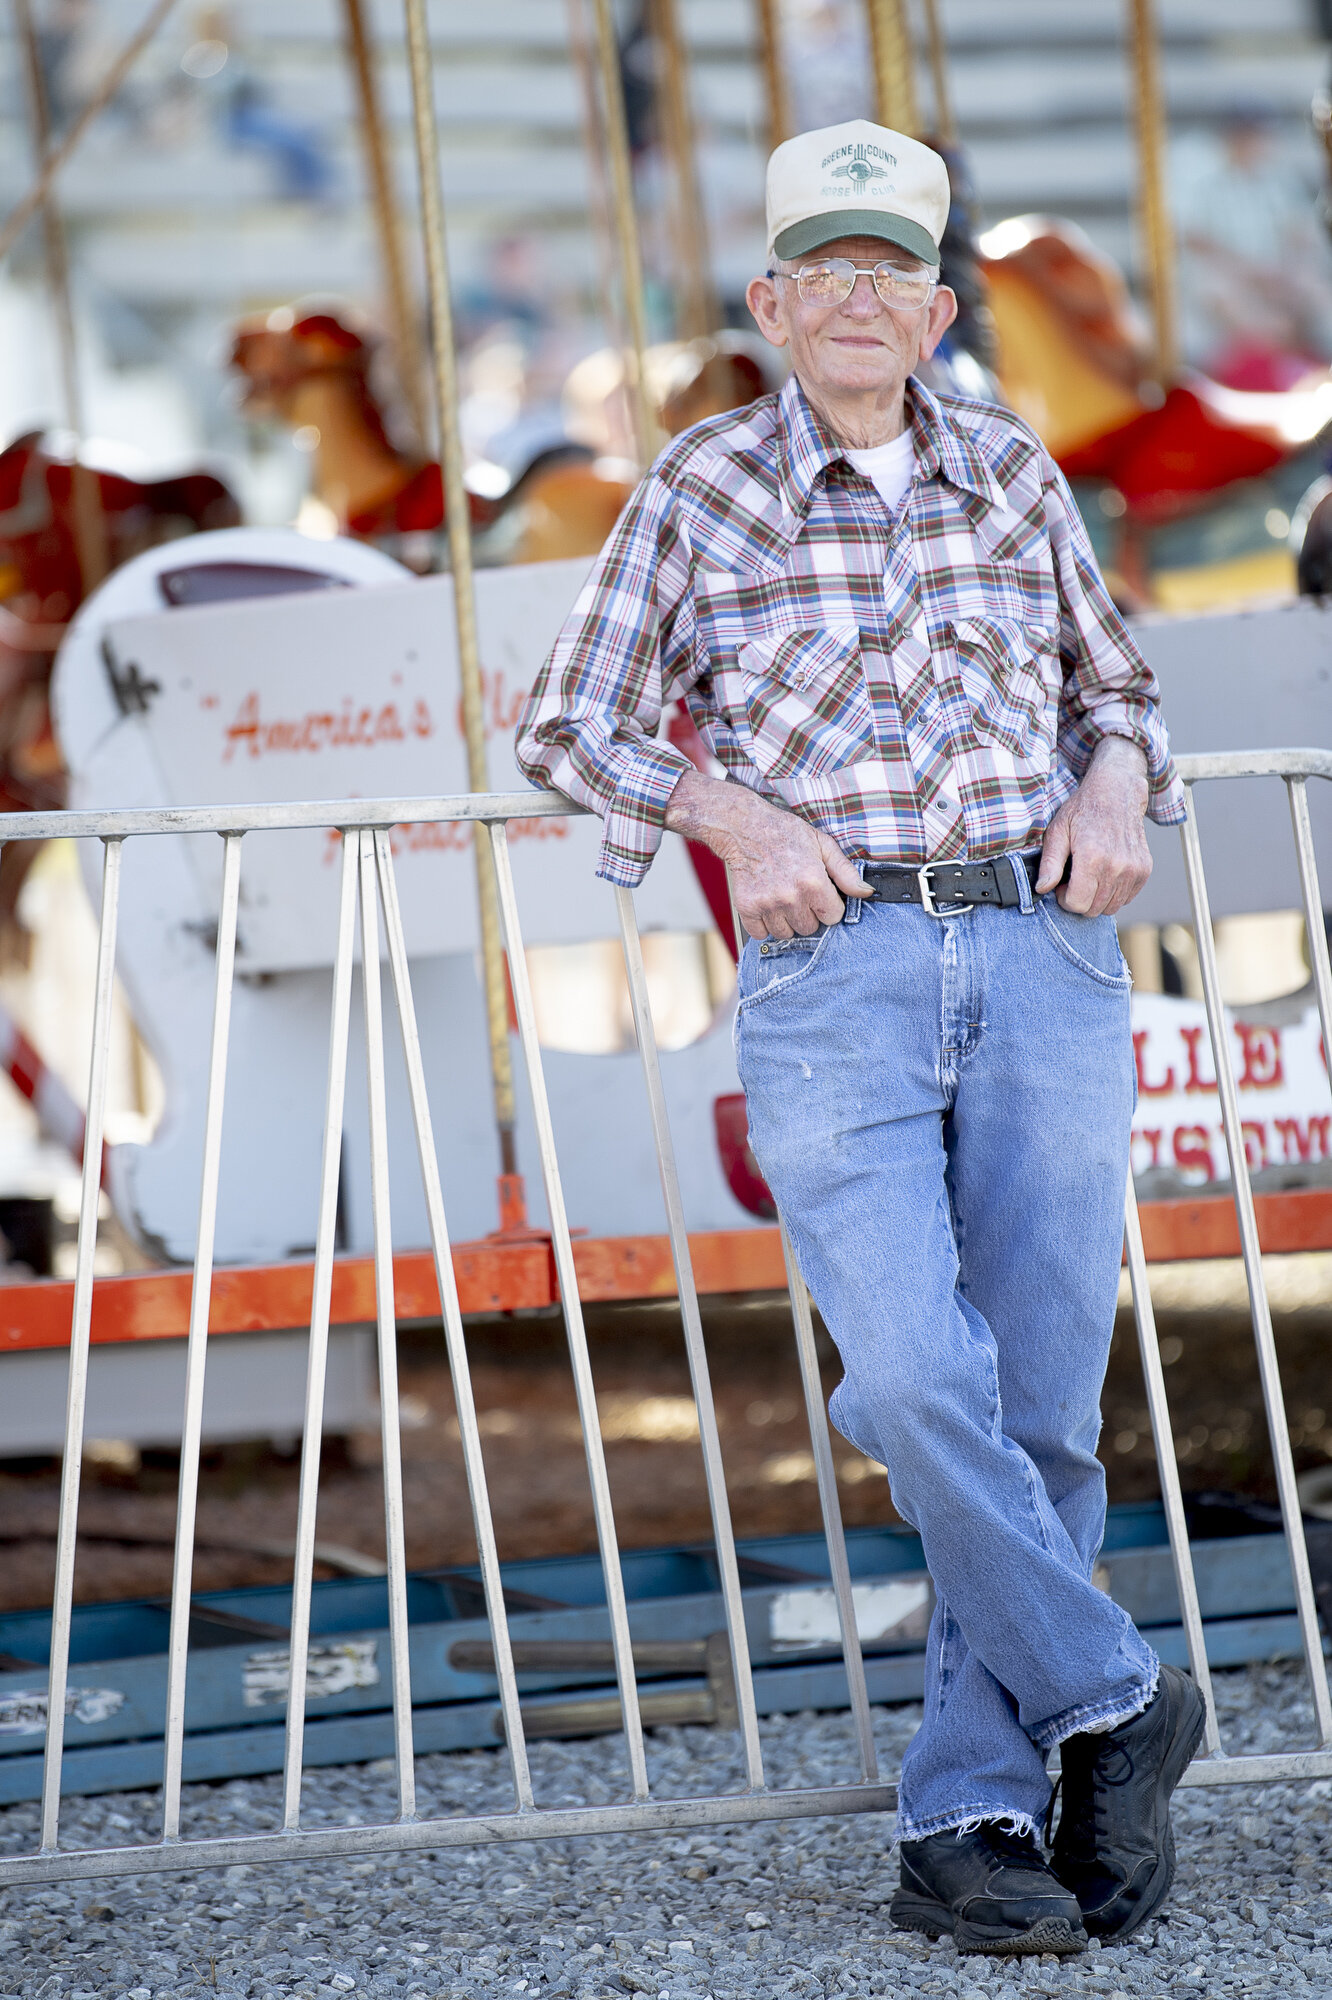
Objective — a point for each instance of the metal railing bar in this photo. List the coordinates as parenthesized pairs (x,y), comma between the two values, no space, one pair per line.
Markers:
(1315,924)
(386,1329)
(474,1465)
(559,1823)
(196,1347)
(1295,763)
(490,807)
(330,1168)
(90,1192)
(1315,927)
(119,822)
(830,1507)
(571,1305)
(714,1469)
(1268,1366)
(1163,1436)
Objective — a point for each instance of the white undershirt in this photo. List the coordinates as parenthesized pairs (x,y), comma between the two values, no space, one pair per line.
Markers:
(889,465)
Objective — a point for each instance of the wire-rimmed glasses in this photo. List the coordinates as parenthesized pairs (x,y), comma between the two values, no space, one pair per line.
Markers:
(832,280)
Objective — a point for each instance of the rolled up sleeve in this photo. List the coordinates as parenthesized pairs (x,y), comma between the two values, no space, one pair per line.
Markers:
(589,727)
(1109,689)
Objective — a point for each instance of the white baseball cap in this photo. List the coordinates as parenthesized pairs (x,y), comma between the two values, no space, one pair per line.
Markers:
(856,179)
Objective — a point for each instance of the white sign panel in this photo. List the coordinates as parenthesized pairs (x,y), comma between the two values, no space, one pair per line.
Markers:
(354,693)
(1285,1100)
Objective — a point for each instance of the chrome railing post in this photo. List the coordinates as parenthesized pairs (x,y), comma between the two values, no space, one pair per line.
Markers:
(1167,1465)
(80,1332)
(584,1389)
(455,1341)
(390,1417)
(830,1507)
(714,1470)
(298,1652)
(196,1348)
(1268,1365)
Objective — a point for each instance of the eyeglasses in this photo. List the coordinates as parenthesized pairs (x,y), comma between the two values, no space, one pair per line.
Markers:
(827,284)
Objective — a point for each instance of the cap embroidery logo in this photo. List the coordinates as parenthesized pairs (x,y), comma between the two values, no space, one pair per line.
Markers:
(858,163)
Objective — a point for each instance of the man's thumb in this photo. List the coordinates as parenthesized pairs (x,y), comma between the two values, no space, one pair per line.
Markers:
(1055,851)
(842,871)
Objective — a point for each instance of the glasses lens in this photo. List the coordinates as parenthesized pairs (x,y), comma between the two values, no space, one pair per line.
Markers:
(904,289)
(826,284)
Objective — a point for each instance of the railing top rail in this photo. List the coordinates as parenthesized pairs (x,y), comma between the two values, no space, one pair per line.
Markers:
(1255,764)
(121,821)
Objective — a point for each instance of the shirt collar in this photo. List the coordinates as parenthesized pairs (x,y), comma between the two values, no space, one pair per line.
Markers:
(943,449)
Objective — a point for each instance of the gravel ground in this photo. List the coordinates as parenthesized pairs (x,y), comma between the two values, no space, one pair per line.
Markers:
(798,1908)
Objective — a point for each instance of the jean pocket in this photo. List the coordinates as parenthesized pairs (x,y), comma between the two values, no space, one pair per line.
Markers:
(1089,943)
(771,966)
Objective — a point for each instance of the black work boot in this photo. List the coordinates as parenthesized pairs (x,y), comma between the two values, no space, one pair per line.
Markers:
(990,1890)
(1114,1848)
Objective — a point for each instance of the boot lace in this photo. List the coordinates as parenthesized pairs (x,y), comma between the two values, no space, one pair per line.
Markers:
(1086,1824)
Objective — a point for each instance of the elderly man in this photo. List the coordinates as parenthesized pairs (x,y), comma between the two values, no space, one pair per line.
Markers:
(939,742)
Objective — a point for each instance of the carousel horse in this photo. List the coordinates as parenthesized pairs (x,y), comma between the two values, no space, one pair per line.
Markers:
(312,372)
(1074,360)
(62,527)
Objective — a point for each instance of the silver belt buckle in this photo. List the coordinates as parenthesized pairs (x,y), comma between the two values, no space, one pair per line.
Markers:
(927,897)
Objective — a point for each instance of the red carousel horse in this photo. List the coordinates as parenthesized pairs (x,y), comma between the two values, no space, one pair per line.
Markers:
(63,526)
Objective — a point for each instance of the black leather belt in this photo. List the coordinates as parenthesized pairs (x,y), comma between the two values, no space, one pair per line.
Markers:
(954,883)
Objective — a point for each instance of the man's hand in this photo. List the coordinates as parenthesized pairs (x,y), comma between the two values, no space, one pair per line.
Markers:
(1101,828)
(785,874)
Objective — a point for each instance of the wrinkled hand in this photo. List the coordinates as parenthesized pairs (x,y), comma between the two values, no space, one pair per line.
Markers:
(785,875)
(1101,828)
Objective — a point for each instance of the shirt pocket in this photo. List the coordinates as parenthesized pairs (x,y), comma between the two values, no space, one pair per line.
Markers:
(806,700)
(1010,675)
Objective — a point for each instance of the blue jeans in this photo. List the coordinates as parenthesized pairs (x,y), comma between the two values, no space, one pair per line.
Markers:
(941,1109)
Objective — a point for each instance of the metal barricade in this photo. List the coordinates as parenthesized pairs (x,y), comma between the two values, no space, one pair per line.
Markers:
(368,893)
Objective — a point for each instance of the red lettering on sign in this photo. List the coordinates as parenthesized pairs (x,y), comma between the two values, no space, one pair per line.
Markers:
(1192,1150)
(1305,1138)
(1195,1080)
(1146,1089)
(320,729)
(1255,1143)
(1263,1068)
(1153,1139)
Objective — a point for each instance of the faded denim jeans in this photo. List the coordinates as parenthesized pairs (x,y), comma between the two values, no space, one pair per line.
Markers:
(941,1108)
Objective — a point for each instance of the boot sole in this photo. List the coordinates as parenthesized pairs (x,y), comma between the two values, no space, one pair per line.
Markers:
(935,1920)
(1174,1764)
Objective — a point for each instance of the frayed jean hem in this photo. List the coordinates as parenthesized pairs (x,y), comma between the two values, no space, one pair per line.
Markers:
(1096,1716)
(965,1819)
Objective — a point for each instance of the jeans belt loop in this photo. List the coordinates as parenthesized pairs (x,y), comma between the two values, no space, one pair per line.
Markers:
(1026,900)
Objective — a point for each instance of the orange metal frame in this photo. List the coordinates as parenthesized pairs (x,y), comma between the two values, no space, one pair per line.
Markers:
(496,1277)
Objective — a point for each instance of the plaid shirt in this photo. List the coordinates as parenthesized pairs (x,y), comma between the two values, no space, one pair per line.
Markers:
(926,686)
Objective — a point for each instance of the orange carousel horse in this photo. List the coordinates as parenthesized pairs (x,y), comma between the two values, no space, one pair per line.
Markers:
(312,372)
(63,526)
(1074,360)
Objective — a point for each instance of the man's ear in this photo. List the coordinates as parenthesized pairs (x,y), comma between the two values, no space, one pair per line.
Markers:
(943,311)
(763,302)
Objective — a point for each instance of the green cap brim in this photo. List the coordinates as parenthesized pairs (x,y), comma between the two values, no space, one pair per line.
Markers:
(816,230)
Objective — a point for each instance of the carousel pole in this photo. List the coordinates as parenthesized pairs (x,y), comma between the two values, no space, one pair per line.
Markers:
(626,230)
(894,66)
(693,251)
(595,145)
(1157,234)
(945,126)
(388,225)
(774,77)
(88,519)
(458,523)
